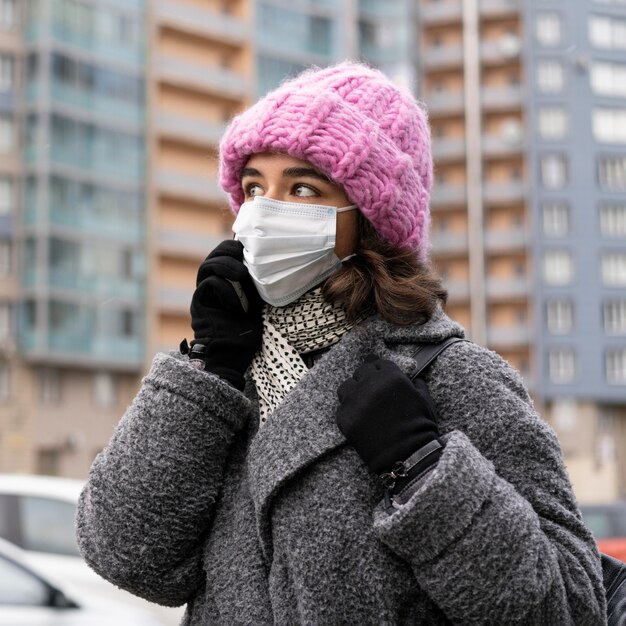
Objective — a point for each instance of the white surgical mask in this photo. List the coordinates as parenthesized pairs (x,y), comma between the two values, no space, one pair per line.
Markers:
(288,247)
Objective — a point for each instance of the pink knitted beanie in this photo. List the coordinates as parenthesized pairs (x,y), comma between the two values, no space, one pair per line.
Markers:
(357,127)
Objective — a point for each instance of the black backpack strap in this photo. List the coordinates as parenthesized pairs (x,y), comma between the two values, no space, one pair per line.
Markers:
(614,574)
(426,353)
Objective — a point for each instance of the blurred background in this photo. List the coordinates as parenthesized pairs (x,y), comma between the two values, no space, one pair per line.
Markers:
(110,116)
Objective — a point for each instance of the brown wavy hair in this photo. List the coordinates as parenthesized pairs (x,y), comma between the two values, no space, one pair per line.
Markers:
(386,279)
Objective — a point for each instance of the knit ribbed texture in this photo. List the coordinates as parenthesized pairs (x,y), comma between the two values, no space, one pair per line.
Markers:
(357,127)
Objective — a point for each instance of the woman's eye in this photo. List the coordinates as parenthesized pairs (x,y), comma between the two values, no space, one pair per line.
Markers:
(303,191)
(253,190)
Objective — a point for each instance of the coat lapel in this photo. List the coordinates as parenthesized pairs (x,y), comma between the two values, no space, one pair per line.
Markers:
(303,427)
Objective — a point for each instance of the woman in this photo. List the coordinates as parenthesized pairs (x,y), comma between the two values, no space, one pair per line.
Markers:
(253,478)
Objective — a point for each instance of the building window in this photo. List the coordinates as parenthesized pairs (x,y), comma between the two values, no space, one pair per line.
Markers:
(5,382)
(613,220)
(615,364)
(6,264)
(6,195)
(612,173)
(8,14)
(559,316)
(550,76)
(558,267)
(6,330)
(609,125)
(548,29)
(556,219)
(607,32)
(553,122)
(7,72)
(49,386)
(608,79)
(614,269)
(105,390)
(553,171)
(614,316)
(49,461)
(562,365)
(7,133)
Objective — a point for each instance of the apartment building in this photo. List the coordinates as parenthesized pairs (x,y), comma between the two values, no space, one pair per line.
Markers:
(529,165)
(73,184)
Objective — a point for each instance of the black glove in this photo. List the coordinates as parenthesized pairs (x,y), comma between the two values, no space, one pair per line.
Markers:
(386,417)
(226,314)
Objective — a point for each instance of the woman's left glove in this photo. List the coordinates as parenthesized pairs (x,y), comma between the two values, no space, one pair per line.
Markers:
(388,418)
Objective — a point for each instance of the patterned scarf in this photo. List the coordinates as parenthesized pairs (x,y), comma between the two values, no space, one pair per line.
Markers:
(310,323)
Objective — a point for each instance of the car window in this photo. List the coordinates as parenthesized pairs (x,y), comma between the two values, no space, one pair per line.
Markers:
(599,524)
(619,522)
(19,587)
(9,518)
(48,526)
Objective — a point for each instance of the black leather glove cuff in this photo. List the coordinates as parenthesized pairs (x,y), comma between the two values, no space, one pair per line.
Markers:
(214,364)
(405,472)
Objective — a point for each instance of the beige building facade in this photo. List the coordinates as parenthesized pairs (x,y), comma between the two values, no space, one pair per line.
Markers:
(201,74)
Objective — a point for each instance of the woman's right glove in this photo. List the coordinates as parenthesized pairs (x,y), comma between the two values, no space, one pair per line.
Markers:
(226,314)
(390,420)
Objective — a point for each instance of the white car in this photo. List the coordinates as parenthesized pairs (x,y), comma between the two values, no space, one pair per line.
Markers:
(37,514)
(30,598)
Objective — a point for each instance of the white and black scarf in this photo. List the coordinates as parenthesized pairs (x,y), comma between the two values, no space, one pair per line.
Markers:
(308,324)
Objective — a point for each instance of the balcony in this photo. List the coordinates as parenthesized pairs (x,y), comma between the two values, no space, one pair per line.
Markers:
(508,336)
(379,54)
(501,50)
(378,10)
(508,288)
(96,286)
(496,146)
(504,192)
(202,76)
(440,12)
(190,245)
(94,45)
(198,188)
(105,108)
(82,349)
(442,103)
(499,8)
(507,240)
(189,129)
(448,149)
(297,48)
(445,196)
(203,21)
(448,243)
(501,98)
(440,57)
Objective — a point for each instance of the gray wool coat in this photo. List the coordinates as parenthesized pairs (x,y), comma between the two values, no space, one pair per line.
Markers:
(191,503)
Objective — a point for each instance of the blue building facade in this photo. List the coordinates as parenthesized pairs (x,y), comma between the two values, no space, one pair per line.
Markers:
(292,36)
(577,117)
(83,203)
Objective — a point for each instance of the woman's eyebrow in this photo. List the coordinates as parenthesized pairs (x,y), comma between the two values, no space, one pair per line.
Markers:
(249,171)
(299,172)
